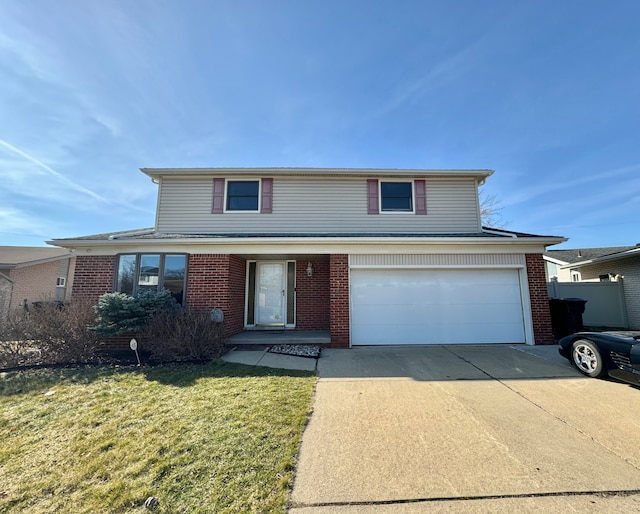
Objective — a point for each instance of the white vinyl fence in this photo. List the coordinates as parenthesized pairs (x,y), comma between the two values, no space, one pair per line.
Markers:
(605,301)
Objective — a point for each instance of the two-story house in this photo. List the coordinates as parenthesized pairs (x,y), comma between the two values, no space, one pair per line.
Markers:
(374,256)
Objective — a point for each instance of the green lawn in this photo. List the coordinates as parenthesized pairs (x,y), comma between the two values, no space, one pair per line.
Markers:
(209,438)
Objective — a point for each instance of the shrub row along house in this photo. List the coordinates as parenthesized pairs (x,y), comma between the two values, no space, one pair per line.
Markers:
(370,256)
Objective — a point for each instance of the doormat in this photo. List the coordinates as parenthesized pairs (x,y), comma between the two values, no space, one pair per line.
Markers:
(299,350)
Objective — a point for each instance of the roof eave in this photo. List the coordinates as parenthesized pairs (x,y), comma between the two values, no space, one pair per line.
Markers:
(247,241)
(25,264)
(604,258)
(156,173)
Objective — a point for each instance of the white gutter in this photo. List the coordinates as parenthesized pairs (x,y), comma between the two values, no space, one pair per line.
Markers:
(249,241)
(499,233)
(315,172)
(555,261)
(131,233)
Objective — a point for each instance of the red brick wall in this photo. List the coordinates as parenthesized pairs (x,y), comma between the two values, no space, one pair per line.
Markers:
(542,332)
(94,276)
(218,281)
(339,300)
(312,296)
(237,286)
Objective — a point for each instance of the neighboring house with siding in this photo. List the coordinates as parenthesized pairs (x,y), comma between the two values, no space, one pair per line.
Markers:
(370,256)
(30,273)
(558,262)
(623,264)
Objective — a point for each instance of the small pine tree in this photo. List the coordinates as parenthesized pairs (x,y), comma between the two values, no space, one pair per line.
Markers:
(120,313)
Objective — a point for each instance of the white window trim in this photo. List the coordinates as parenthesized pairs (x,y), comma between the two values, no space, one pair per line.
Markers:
(237,211)
(61,282)
(413,197)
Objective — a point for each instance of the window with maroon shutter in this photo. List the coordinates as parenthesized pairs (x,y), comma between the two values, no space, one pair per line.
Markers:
(396,196)
(242,195)
(421,196)
(266,196)
(372,196)
(217,205)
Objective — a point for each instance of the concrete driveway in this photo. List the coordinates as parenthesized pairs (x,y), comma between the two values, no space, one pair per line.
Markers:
(466,429)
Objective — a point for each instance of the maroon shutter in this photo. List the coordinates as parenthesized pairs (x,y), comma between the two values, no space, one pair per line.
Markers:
(372,196)
(217,205)
(266,200)
(421,196)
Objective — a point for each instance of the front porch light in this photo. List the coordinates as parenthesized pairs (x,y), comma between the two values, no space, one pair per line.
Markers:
(309,270)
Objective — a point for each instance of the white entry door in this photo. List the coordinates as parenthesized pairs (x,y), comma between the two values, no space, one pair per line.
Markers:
(270,293)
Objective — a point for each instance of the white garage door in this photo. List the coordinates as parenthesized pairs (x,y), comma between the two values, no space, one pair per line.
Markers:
(409,306)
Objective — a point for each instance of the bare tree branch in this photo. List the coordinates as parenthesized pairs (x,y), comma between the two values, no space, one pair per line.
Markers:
(491,211)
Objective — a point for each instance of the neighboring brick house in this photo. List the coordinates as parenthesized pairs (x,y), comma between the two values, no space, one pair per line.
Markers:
(31,273)
(372,256)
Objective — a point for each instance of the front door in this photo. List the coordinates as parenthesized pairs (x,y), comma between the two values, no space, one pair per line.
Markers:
(270,294)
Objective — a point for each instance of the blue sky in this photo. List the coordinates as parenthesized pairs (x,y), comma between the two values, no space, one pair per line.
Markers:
(546,93)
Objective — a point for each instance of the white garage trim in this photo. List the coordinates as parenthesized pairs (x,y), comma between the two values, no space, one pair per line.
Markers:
(411,304)
(465,260)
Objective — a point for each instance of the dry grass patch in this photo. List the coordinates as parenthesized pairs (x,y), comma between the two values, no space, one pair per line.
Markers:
(208,438)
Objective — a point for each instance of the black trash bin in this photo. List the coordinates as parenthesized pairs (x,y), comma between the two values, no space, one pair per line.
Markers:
(566,315)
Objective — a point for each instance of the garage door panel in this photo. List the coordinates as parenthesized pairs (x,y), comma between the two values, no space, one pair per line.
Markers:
(436,306)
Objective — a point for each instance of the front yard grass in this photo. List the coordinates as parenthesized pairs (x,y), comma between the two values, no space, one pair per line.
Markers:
(214,438)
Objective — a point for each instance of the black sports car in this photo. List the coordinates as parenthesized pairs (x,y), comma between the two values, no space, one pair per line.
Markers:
(598,354)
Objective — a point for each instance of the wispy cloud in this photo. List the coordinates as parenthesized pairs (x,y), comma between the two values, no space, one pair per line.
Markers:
(17,222)
(59,176)
(556,186)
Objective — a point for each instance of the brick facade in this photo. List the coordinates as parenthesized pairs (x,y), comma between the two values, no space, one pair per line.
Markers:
(34,283)
(339,300)
(218,281)
(322,301)
(542,332)
(94,276)
(312,296)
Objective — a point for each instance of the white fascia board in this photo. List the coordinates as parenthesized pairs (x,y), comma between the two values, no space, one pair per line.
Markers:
(157,173)
(555,261)
(308,245)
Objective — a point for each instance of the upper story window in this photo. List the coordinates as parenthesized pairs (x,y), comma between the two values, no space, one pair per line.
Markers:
(61,282)
(251,195)
(137,272)
(405,197)
(396,196)
(242,195)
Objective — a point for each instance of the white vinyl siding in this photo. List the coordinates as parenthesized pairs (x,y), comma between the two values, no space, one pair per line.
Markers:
(305,205)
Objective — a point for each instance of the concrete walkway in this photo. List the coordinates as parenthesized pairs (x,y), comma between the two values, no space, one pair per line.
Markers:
(466,429)
(263,357)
